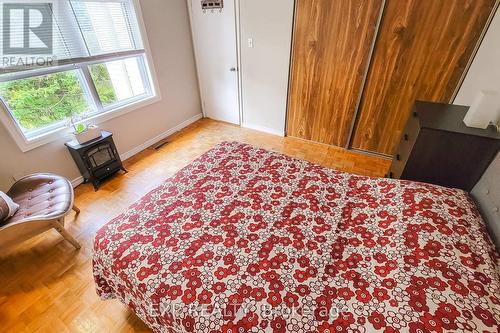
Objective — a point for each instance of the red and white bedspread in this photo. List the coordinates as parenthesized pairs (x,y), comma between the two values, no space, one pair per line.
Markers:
(247,240)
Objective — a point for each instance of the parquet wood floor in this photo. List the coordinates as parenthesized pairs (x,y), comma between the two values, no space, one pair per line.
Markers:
(47,286)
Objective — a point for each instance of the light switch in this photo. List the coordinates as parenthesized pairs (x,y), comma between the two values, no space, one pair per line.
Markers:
(250,42)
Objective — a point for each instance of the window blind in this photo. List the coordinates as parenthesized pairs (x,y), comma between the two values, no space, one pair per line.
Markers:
(107,27)
(79,31)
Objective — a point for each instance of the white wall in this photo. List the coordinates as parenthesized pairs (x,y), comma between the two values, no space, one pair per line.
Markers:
(265,67)
(484,74)
(168,29)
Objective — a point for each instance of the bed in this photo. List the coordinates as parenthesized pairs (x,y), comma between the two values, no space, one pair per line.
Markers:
(248,240)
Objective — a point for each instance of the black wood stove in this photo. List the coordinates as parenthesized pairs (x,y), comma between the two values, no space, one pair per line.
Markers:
(97,159)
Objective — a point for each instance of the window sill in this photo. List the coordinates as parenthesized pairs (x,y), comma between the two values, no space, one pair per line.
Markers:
(26,145)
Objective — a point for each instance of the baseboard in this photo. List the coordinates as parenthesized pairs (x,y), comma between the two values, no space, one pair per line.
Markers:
(159,137)
(126,155)
(263,129)
(77,181)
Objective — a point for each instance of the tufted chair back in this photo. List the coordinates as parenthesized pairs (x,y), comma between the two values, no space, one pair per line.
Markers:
(44,200)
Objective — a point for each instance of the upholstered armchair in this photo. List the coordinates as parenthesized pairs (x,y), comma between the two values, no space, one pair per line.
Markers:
(44,201)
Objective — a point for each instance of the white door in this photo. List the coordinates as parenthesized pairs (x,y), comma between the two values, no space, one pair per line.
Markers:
(214,37)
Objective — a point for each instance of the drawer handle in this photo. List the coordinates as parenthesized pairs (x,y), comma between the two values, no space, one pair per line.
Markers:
(107,169)
(406,137)
(398,157)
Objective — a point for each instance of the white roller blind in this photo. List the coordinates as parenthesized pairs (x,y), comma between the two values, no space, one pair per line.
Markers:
(32,32)
(67,37)
(80,30)
(107,26)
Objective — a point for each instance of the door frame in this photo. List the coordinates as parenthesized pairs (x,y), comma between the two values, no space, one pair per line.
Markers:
(197,53)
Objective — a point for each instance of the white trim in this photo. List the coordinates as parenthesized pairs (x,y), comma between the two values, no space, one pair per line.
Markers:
(196,52)
(77,181)
(155,87)
(61,132)
(237,14)
(264,129)
(159,137)
(134,151)
(20,72)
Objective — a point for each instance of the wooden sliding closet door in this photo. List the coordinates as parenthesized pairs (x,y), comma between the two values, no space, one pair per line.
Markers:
(421,53)
(331,51)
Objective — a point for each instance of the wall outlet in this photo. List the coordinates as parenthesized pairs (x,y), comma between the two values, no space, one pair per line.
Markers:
(250,42)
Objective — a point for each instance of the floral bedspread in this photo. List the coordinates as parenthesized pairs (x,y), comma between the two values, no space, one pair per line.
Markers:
(247,240)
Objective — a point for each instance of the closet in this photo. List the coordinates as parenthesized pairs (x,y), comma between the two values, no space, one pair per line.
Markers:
(331,51)
(358,66)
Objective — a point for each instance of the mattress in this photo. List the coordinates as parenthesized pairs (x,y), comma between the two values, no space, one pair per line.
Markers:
(248,240)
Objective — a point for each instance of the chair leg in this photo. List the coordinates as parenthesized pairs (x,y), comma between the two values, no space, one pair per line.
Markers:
(76,209)
(60,229)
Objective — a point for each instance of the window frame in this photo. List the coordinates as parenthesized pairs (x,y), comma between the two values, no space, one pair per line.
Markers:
(61,129)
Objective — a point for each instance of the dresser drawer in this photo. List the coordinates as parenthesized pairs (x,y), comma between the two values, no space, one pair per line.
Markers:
(405,147)
(411,131)
(396,169)
(436,147)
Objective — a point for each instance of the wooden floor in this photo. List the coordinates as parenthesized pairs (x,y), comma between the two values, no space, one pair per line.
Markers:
(47,286)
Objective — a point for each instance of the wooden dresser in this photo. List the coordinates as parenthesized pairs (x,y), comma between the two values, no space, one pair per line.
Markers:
(437,147)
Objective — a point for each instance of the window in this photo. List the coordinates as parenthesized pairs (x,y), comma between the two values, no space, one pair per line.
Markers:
(45,101)
(96,65)
(119,80)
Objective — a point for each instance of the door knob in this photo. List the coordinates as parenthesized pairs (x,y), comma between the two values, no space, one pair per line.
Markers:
(232,69)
